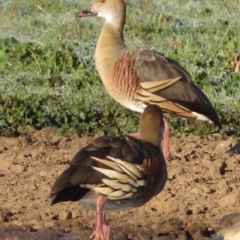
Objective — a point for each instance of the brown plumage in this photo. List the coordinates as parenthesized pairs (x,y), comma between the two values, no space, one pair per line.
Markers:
(137,78)
(116,172)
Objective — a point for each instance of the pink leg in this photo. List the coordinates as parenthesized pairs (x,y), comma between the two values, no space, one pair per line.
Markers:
(106,228)
(102,225)
(166,137)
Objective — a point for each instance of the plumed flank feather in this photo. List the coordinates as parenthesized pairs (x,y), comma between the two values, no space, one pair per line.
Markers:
(112,174)
(118,176)
(120,166)
(125,179)
(129,195)
(116,184)
(128,167)
(103,190)
(113,165)
(117,194)
(129,173)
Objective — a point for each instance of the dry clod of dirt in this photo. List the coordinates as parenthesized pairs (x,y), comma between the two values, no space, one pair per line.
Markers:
(203,185)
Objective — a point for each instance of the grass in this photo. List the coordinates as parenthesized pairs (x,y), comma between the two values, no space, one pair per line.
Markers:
(48,76)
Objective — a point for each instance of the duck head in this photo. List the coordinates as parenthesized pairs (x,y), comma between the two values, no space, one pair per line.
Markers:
(113,11)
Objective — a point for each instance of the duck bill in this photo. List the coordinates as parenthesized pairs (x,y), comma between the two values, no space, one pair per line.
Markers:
(87,13)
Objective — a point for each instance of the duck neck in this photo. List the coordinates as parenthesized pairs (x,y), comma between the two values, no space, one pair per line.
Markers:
(109,46)
(150,135)
(151,128)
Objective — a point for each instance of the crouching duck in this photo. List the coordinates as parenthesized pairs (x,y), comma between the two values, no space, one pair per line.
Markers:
(137,78)
(229,227)
(115,173)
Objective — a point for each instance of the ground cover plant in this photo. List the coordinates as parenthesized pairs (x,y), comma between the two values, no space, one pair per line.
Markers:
(48,76)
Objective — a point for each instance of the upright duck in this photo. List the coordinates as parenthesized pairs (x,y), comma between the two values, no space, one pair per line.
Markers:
(137,78)
(116,172)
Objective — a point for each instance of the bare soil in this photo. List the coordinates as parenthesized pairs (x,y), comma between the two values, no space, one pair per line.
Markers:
(203,185)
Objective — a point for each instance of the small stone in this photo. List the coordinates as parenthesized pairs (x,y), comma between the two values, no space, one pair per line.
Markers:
(75,213)
(49,224)
(4,165)
(17,168)
(65,215)
(44,173)
(36,223)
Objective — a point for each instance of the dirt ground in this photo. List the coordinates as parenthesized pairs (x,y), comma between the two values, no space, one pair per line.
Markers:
(203,185)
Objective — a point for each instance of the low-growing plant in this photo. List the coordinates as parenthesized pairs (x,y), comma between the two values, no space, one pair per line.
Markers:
(48,76)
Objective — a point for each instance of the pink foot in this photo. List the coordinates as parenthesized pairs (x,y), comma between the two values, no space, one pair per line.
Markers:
(106,228)
(102,231)
(166,137)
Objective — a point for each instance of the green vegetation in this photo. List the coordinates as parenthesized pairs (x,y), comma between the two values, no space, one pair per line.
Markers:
(47,72)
